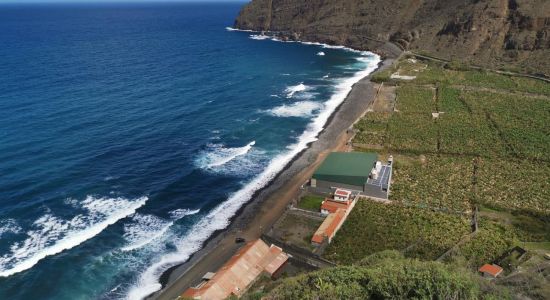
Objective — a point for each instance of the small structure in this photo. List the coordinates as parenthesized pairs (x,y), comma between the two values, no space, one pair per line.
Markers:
(329,206)
(240,272)
(354,171)
(492,271)
(342,195)
(341,200)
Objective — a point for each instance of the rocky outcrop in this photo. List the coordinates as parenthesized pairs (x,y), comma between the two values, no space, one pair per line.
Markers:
(495,33)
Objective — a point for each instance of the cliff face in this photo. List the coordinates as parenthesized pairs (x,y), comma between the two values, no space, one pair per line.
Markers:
(493,33)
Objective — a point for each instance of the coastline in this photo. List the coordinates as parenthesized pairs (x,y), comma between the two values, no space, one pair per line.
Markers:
(269,203)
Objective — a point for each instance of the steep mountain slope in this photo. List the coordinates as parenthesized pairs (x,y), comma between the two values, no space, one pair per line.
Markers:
(495,33)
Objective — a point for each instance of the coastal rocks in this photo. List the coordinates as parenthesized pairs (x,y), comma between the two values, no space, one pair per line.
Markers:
(491,33)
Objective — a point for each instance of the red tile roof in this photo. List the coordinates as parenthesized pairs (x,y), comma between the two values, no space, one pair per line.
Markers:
(330,226)
(332,206)
(340,192)
(336,223)
(492,270)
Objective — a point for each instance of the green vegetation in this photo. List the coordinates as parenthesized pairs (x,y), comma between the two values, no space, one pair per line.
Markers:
(386,276)
(412,133)
(536,245)
(521,122)
(490,143)
(442,182)
(461,138)
(372,128)
(373,226)
(435,73)
(416,99)
(381,76)
(310,202)
(489,243)
(514,184)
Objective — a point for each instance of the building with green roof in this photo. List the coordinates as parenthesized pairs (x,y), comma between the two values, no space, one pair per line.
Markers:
(352,170)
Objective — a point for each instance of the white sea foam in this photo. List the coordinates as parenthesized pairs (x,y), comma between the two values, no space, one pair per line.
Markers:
(217,155)
(236,29)
(182,212)
(321,53)
(301,109)
(291,90)
(9,226)
(218,218)
(51,235)
(259,37)
(143,230)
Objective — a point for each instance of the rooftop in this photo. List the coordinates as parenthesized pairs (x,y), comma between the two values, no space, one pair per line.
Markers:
(351,168)
(332,206)
(492,270)
(234,277)
(341,192)
(330,225)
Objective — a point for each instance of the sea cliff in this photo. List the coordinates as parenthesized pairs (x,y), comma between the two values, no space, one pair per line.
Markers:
(509,34)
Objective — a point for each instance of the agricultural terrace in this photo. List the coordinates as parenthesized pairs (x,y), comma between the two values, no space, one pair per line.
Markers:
(374,226)
(489,243)
(464,137)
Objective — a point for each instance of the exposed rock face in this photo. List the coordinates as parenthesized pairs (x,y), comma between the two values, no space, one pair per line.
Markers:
(494,33)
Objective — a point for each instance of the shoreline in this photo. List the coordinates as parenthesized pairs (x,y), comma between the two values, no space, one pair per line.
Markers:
(268,203)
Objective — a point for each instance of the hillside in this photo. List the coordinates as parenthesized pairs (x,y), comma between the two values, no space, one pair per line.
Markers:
(511,34)
(384,275)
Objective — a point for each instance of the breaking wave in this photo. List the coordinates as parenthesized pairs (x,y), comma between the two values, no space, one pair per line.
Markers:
(217,155)
(259,37)
(302,109)
(51,235)
(291,90)
(219,217)
(236,29)
(182,212)
(321,53)
(143,230)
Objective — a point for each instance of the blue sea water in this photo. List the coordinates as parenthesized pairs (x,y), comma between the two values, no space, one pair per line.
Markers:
(129,133)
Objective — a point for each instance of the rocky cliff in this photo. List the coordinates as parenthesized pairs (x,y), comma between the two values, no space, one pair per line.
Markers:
(495,33)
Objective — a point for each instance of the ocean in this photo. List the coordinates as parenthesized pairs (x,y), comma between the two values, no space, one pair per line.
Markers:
(129,133)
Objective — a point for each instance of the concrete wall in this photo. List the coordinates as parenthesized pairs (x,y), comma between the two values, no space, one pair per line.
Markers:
(329,185)
(367,189)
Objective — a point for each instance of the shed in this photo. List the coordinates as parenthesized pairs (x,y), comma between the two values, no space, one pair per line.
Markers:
(490,270)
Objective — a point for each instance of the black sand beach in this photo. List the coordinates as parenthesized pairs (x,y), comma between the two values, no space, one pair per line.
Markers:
(268,204)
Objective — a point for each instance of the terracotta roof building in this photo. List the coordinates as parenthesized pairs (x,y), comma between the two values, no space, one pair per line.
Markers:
(329,206)
(491,270)
(342,195)
(240,272)
(329,227)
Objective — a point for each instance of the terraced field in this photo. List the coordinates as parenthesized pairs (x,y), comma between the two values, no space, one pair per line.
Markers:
(461,139)
(484,138)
